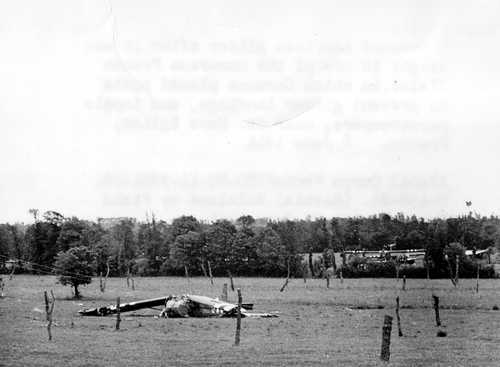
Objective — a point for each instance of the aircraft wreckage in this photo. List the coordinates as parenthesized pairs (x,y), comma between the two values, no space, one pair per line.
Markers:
(181,306)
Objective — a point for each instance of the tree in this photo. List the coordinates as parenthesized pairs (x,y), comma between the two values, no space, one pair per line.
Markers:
(270,252)
(186,251)
(220,251)
(75,267)
(124,243)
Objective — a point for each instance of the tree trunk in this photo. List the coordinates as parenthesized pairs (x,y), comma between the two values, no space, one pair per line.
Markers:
(311,268)
(77,292)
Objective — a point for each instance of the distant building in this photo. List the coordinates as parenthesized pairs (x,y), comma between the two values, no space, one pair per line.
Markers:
(414,257)
(107,223)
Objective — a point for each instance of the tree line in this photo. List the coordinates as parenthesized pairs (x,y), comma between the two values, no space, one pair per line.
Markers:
(244,247)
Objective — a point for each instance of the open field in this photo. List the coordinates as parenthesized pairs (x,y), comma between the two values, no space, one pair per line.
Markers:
(339,326)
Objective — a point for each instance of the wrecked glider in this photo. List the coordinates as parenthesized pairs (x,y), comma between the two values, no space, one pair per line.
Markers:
(181,306)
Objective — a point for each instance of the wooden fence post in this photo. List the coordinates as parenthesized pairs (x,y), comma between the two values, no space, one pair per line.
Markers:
(457,263)
(404,282)
(49,307)
(287,276)
(133,284)
(224,292)
(118,319)
(341,277)
(102,283)
(210,273)
(1,287)
(128,278)
(238,320)
(436,309)
(400,333)
(385,352)
(231,279)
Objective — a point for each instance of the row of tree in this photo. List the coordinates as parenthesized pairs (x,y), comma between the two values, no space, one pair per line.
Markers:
(245,246)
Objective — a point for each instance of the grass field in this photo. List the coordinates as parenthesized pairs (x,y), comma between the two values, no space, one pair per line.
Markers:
(339,326)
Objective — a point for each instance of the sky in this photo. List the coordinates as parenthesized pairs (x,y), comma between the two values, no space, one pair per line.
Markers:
(224,108)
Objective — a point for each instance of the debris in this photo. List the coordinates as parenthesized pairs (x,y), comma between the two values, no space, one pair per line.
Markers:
(180,306)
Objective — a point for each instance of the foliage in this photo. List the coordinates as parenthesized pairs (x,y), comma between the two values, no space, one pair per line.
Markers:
(246,246)
(75,267)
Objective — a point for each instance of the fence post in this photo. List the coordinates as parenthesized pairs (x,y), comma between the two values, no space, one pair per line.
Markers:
(210,273)
(118,320)
(238,320)
(49,307)
(457,261)
(400,333)
(231,279)
(287,276)
(385,352)
(436,309)
(404,282)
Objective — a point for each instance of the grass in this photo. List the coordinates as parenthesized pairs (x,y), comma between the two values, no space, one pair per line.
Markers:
(339,326)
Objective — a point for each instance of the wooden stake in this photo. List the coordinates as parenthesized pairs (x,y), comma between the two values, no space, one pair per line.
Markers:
(102,283)
(453,279)
(231,279)
(238,320)
(404,282)
(385,352)
(118,319)
(400,333)
(1,287)
(436,309)
(210,273)
(128,278)
(341,277)
(457,262)
(224,292)
(133,284)
(287,276)
(49,308)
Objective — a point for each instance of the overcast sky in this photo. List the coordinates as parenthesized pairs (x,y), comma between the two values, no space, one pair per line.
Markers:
(222,108)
